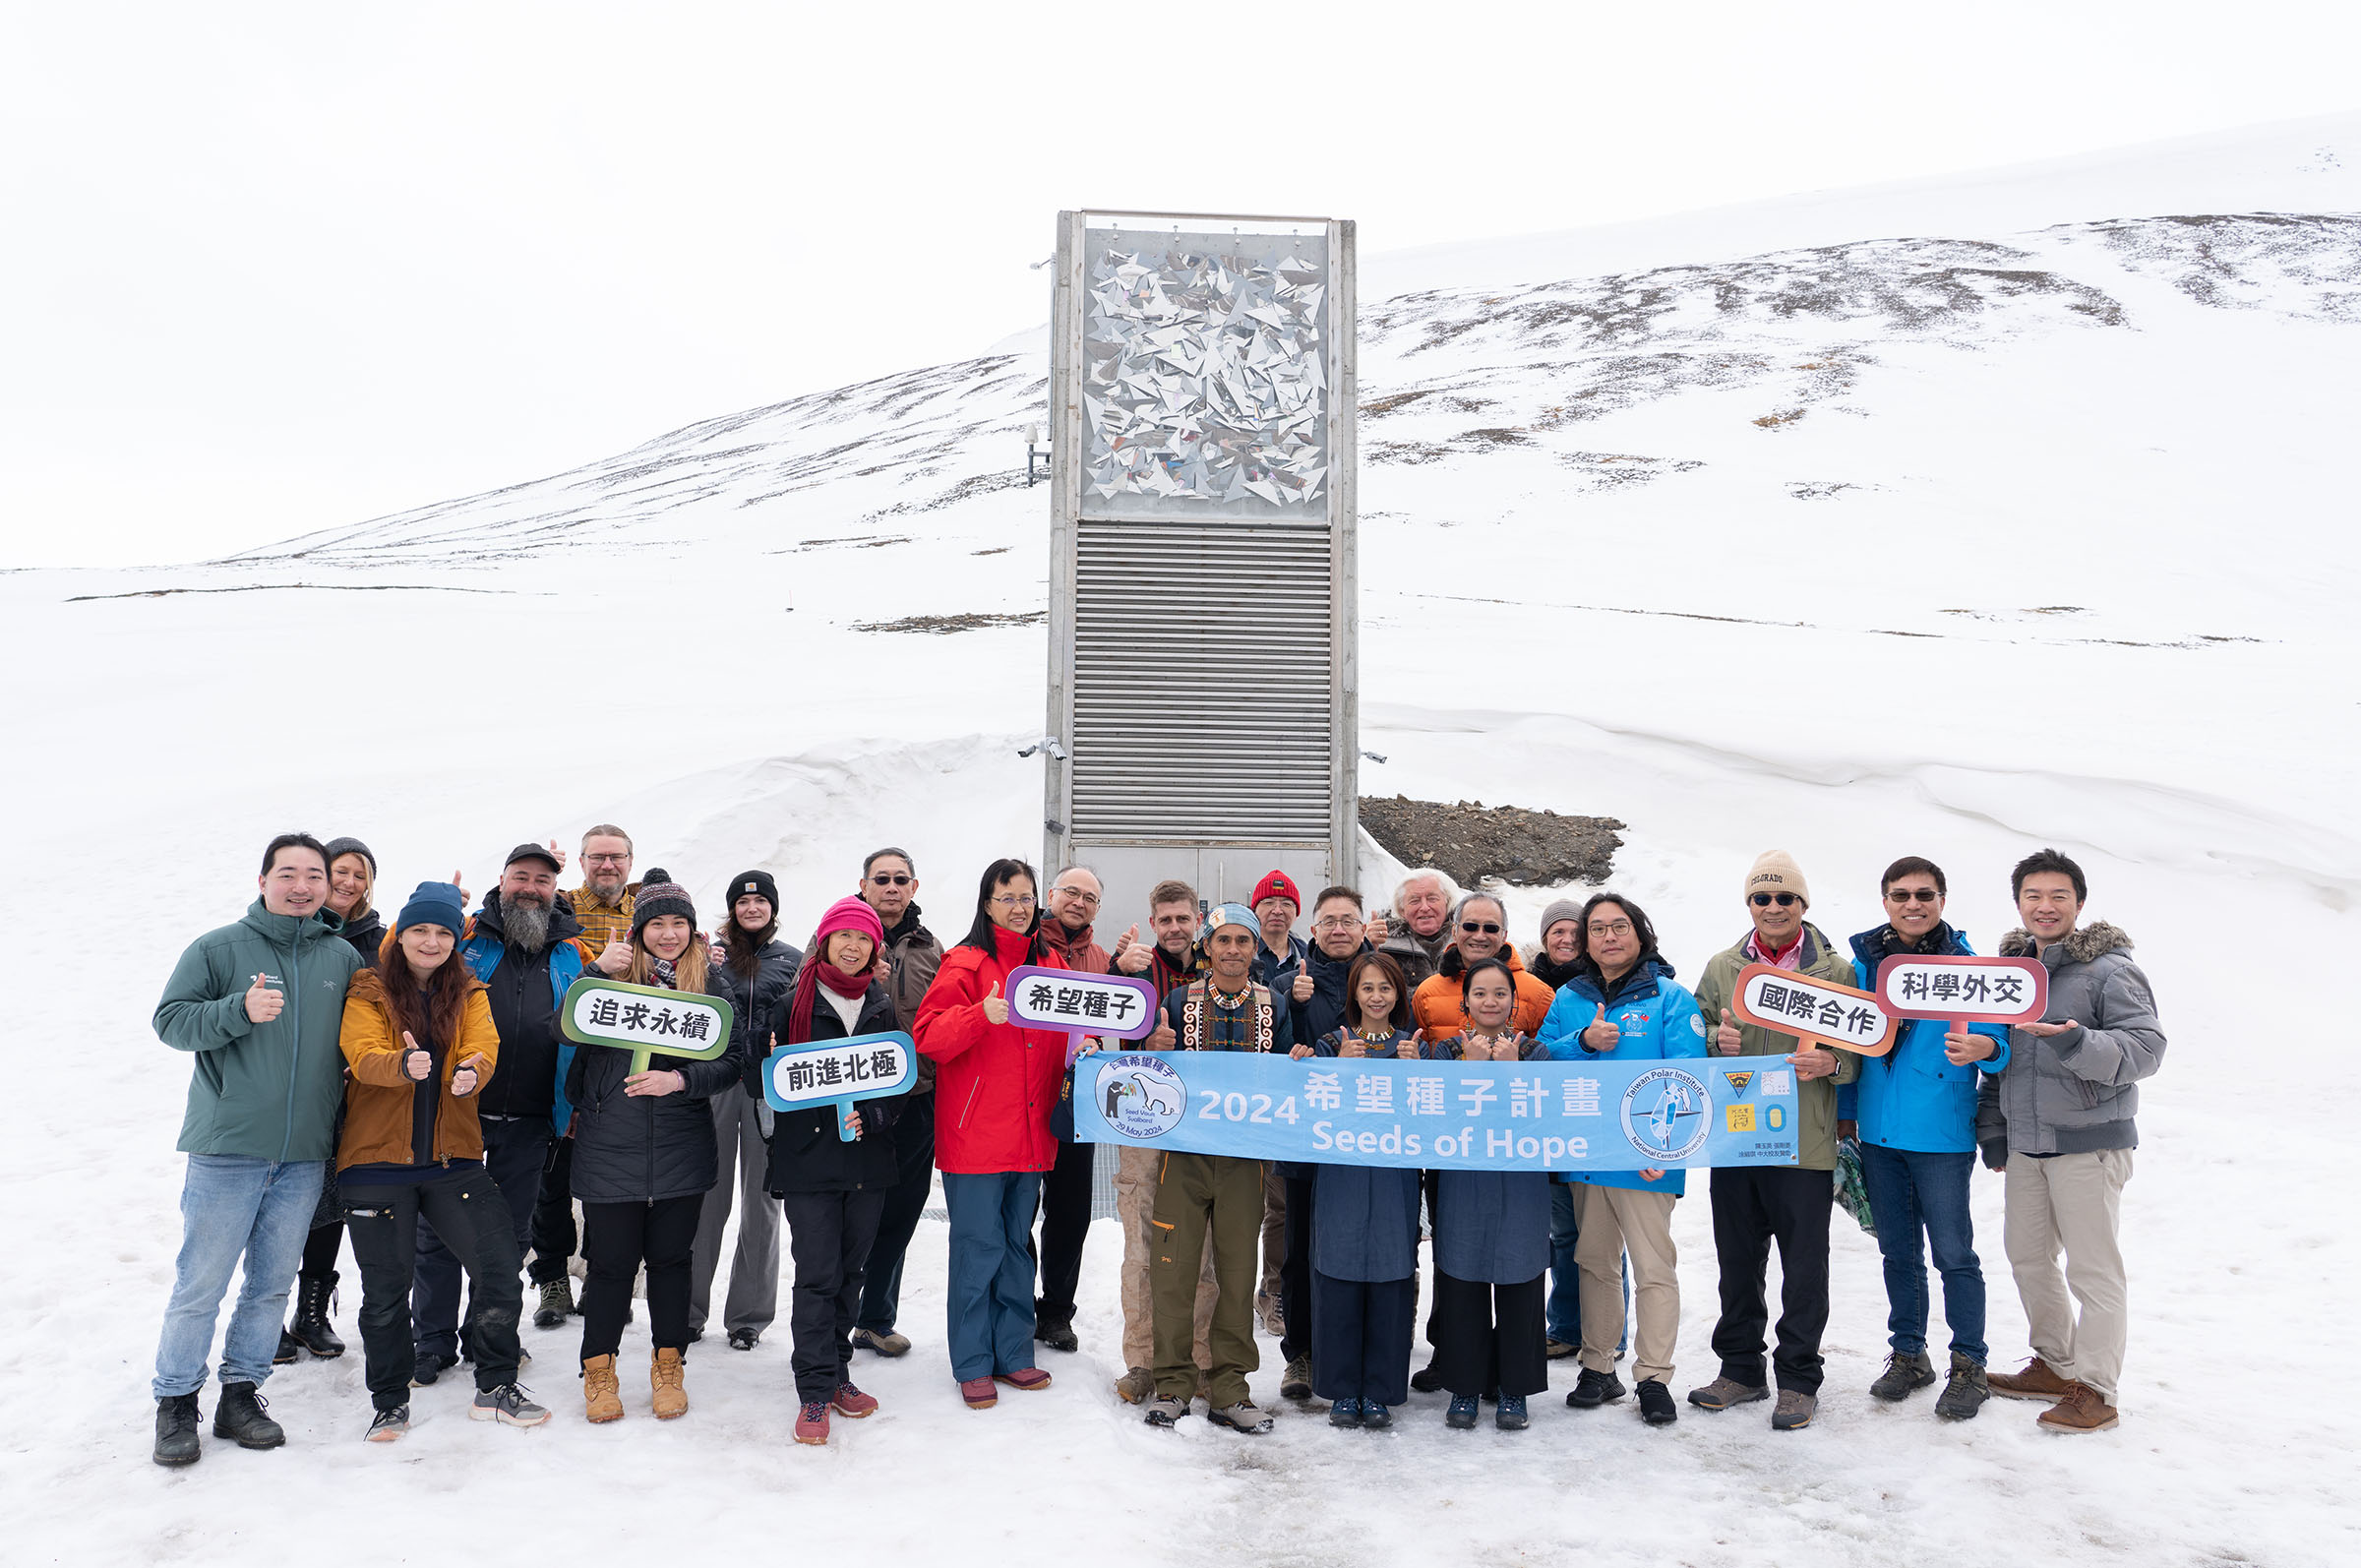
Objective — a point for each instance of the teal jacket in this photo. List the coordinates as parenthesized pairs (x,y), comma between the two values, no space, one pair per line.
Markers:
(266,1090)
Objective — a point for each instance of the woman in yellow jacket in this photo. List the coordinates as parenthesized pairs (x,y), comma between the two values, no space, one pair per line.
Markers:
(419,1044)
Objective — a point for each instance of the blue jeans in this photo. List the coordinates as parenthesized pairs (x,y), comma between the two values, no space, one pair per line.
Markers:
(1913,1195)
(234,1206)
(988,1298)
(1564,1315)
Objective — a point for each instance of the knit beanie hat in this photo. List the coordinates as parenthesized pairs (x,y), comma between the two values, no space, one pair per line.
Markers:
(432,904)
(1562,909)
(1276,884)
(851,913)
(1775,872)
(352,846)
(659,895)
(761,884)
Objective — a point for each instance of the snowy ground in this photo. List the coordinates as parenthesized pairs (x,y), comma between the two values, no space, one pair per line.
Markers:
(2032,527)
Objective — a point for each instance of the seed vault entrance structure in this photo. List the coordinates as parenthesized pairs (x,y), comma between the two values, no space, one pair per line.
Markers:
(1202,588)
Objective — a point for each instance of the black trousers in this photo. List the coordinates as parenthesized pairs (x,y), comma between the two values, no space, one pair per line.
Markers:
(514,1149)
(1360,1348)
(1064,1213)
(555,1237)
(829,1235)
(1298,1302)
(1431,1186)
(618,1238)
(321,1246)
(1489,1336)
(473,1221)
(905,1201)
(1753,1208)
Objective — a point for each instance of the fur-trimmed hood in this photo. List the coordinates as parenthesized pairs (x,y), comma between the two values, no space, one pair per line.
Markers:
(2083,945)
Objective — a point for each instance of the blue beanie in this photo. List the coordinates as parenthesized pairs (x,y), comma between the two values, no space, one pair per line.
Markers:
(434,904)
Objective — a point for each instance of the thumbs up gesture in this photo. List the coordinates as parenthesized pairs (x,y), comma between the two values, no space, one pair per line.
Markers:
(558,853)
(1302,989)
(1600,1034)
(1125,941)
(416,1060)
(1726,1038)
(457,883)
(616,956)
(468,1076)
(996,1005)
(262,1003)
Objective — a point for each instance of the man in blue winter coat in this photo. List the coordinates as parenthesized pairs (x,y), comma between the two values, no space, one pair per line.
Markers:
(1915,1108)
(260,1005)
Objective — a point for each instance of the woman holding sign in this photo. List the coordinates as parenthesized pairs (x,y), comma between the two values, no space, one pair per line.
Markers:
(1623,1001)
(419,1041)
(1491,1236)
(995,1086)
(643,1158)
(833,1191)
(1365,1227)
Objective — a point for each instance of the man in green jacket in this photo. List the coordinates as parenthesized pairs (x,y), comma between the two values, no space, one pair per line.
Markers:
(260,1004)
(1786,1204)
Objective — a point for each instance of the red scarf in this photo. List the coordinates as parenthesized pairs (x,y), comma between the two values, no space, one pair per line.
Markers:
(799,1016)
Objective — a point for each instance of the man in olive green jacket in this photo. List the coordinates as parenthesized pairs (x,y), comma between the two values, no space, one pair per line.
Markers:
(260,1005)
(1786,1204)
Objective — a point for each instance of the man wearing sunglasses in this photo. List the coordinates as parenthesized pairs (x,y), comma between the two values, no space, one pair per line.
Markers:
(1786,1204)
(889,885)
(1479,931)
(1917,1116)
(1065,1190)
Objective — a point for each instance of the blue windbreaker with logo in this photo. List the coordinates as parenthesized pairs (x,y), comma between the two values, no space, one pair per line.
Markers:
(1659,1020)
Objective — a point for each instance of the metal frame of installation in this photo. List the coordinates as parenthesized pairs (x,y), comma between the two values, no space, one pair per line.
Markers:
(1203,599)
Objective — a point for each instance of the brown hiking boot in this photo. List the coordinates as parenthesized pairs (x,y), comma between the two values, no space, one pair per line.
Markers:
(664,1375)
(2037,1381)
(2080,1411)
(599,1391)
(1136,1386)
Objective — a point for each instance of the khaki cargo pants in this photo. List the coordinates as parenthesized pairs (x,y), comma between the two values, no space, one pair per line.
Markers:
(1204,1199)
(1135,1204)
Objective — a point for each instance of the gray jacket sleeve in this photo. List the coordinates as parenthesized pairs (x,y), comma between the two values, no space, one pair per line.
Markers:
(2125,1043)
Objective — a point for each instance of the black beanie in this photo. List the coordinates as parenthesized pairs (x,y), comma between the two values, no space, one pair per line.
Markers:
(758,883)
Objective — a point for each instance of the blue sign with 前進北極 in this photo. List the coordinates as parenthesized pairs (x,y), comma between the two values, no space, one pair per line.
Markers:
(838,1072)
(1598,1114)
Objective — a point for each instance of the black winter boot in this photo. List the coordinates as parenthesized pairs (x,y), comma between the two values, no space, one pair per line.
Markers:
(310,1328)
(290,1351)
(176,1441)
(240,1417)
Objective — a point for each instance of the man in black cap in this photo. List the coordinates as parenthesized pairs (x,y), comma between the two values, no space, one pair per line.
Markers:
(525,944)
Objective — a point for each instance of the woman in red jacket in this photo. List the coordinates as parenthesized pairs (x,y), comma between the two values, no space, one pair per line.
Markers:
(995,1085)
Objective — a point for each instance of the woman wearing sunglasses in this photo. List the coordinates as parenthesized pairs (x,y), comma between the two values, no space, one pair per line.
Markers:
(1786,1204)
(1479,930)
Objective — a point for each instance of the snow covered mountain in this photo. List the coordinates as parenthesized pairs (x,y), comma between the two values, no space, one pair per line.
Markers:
(1954,519)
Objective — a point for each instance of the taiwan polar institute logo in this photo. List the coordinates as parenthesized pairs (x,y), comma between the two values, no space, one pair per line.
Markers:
(1141,1096)
(1663,1115)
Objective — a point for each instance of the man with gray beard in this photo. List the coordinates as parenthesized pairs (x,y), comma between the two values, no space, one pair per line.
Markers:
(526,947)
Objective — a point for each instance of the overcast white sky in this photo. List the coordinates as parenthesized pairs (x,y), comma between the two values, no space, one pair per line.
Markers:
(271,267)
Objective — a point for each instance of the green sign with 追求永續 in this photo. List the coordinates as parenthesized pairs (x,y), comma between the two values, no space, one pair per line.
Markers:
(644,1020)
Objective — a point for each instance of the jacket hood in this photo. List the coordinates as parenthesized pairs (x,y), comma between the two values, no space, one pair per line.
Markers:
(2083,945)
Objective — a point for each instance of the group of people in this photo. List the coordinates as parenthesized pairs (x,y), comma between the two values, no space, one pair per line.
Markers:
(408,1085)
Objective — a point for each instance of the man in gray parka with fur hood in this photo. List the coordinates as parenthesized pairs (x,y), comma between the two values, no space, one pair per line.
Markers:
(2059,1123)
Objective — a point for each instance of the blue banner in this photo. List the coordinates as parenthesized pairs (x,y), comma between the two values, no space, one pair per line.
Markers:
(1599,1115)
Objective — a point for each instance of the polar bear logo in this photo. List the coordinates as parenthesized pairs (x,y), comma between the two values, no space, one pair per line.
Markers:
(1140,1096)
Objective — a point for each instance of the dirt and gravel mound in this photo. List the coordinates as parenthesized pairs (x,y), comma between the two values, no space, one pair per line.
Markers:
(1470,841)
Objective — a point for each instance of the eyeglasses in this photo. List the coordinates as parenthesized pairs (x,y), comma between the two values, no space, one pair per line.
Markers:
(1077,896)
(606,860)
(1488,927)
(892,879)
(1019,901)
(1621,928)
(1905,895)
(1765,901)
(1337,922)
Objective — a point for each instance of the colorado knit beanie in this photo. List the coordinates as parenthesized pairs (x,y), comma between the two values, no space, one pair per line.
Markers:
(1562,909)
(432,904)
(1276,884)
(1775,872)
(659,895)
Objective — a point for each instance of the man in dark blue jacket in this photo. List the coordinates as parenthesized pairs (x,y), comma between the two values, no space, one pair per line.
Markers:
(522,944)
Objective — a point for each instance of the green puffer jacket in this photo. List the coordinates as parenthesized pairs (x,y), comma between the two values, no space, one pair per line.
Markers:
(1816,1100)
(271,1089)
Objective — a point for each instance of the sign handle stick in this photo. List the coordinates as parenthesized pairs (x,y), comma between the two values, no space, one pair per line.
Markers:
(1075,1039)
(640,1059)
(844,1108)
